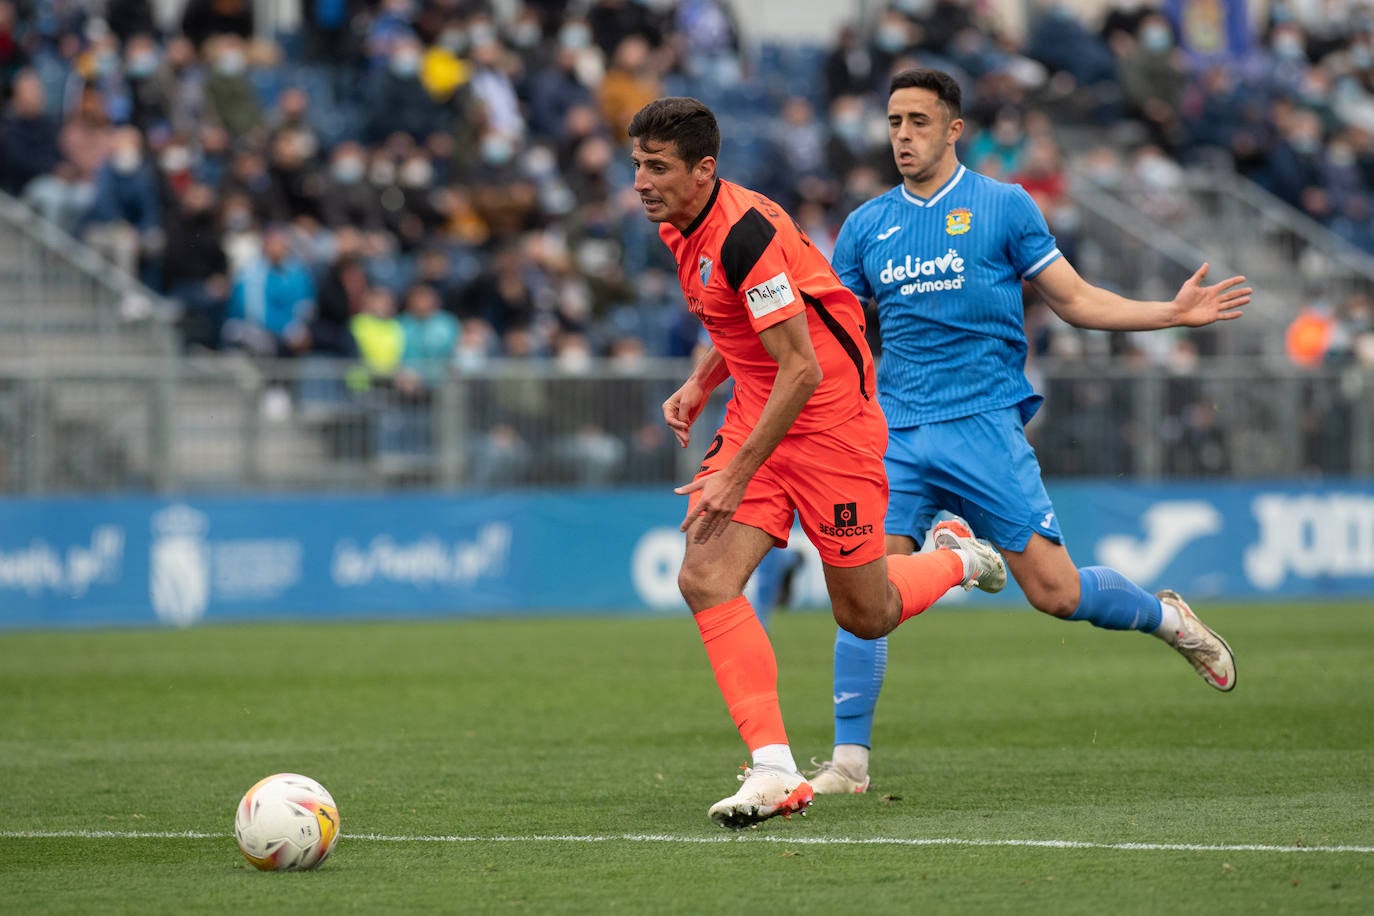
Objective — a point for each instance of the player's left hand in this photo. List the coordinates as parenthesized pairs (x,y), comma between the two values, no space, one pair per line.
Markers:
(712,510)
(1197,305)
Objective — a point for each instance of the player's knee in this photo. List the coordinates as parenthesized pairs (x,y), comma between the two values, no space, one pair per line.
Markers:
(861,622)
(1057,601)
(703,588)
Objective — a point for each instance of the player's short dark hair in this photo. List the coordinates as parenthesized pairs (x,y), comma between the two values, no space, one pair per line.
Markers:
(945,87)
(683,121)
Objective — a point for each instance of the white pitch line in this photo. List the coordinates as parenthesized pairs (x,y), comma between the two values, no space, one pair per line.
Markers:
(748,837)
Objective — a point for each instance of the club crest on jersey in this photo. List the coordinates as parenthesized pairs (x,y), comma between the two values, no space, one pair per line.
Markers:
(704,269)
(958,220)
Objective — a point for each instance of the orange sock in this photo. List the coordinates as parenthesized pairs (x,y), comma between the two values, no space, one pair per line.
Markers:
(921,578)
(746,670)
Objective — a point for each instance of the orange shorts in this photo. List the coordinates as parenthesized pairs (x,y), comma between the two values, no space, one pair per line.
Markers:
(833,481)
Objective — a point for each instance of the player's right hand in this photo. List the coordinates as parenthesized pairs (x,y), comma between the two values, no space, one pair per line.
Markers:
(681,410)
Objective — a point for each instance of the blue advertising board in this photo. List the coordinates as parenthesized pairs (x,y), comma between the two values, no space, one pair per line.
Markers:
(121,561)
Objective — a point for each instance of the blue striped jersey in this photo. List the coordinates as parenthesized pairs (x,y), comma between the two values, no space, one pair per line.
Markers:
(946,273)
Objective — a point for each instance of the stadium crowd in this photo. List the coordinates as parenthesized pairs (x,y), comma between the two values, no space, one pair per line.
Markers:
(423,185)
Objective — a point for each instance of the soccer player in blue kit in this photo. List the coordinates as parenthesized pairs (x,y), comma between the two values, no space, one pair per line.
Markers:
(944,255)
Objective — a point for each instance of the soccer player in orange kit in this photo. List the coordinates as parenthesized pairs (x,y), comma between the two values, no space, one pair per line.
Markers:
(803,437)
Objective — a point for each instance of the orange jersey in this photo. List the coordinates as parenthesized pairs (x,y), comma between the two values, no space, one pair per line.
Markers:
(744,266)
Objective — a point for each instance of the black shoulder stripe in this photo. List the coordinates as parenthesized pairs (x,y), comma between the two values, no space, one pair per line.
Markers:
(841,335)
(744,245)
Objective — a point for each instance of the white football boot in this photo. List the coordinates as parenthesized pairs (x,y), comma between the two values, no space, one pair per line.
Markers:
(990,570)
(829,778)
(1207,652)
(764,794)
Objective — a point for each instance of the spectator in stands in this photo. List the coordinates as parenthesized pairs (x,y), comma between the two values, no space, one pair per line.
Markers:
(431,336)
(348,198)
(1080,59)
(999,150)
(397,102)
(556,89)
(125,220)
(196,269)
(492,84)
(272,301)
(799,140)
(28,136)
(849,66)
(229,96)
(850,146)
(503,196)
(379,338)
(151,107)
(1295,162)
(1310,332)
(1154,75)
(502,295)
(707,40)
(181,83)
(631,82)
(295,185)
(342,293)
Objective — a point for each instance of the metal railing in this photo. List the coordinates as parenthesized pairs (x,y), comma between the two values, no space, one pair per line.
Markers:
(61,301)
(227,424)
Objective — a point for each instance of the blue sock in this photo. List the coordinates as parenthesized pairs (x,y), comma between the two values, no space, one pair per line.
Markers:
(1109,600)
(768,577)
(859,668)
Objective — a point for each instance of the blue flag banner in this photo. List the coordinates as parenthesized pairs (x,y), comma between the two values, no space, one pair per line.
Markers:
(1212,30)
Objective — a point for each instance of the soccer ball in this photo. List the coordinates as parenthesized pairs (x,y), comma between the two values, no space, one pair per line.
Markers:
(287,822)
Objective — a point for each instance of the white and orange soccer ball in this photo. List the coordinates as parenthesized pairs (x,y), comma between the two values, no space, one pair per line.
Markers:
(286,822)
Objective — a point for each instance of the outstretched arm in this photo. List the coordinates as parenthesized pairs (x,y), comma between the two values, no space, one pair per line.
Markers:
(1086,306)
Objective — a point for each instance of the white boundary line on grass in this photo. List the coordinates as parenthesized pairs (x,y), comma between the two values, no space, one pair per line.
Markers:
(698,840)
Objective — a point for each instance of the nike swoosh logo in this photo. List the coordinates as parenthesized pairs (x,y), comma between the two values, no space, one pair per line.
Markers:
(890,229)
(845,553)
(845,695)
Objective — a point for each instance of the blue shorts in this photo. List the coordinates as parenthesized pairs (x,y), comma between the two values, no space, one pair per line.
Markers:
(980,467)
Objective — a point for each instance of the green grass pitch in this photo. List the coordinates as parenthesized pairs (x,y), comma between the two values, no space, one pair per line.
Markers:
(565,765)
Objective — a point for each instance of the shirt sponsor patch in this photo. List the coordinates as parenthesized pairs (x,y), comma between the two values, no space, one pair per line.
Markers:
(770,295)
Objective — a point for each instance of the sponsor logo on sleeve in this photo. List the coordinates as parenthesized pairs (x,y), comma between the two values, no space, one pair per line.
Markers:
(770,295)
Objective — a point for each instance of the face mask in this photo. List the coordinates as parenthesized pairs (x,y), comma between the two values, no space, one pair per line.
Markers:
(1288,47)
(1156,38)
(238,220)
(417,173)
(496,150)
(383,173)
(141,66)
(1361,57)
(1304,144)
(849,127)
(575,37)
(453,41)
(481,34)
(1342,157)
(106,63)
(526,35)
(175,159)
(892,39)
(405,63)
(231,63)
(126,161)
(348,171)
